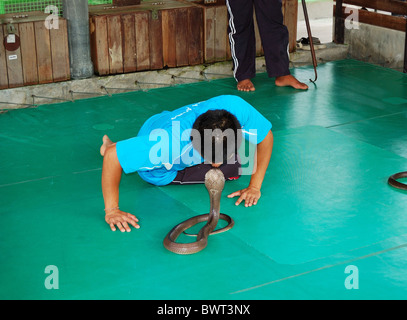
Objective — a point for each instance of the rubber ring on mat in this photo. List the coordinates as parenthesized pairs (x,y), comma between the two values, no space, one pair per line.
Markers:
(394,183)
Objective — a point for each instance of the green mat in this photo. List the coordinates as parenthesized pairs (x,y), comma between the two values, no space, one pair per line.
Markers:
(325,200)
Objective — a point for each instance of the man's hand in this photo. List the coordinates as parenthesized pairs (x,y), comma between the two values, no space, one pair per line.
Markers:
(111,175)
(250,195)
(121,220)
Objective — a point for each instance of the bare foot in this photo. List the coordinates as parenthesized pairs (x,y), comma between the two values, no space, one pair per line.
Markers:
(245,85)
(290,81)
(106,143)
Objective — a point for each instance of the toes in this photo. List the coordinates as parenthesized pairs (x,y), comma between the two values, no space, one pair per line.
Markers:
(290,81)
(301,86)
(102,150)
(245,85)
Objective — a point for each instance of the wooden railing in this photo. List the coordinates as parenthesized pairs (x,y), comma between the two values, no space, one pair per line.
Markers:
(396,21)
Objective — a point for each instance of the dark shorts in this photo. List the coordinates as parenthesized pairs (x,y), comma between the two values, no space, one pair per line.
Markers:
(196,174)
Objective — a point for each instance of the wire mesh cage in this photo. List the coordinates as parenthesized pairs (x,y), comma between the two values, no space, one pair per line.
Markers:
(16,6)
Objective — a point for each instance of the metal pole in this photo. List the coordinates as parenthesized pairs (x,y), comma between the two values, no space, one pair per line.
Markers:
(311,42)
(77,14)
(405,50)
(339,23)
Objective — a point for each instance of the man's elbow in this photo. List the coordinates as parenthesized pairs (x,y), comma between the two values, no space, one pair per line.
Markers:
(111,156)
(268,140)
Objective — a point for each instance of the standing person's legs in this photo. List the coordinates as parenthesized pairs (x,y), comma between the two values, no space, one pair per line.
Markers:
(274,38)
(242,42)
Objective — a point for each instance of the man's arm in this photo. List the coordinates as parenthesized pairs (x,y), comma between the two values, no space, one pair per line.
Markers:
(263,154)
(111,176)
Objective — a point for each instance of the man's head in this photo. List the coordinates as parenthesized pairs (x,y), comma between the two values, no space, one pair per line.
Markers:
(216,136)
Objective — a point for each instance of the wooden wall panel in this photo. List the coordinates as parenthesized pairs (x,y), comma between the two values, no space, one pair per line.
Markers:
(156,41)
(44,58)
(99,45)
(3,63)
(221,33)
(290,12)
(142,40)
(209,34)
(181,43)
(28,53)
(125,2)
(195,36)
(152,36)
(60,52)
(14,64)
(129,43)
(182,36)
(115,44)
(169,32)
(216,35)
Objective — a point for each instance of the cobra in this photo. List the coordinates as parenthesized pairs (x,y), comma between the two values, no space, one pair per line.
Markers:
(397,184)
(214,183)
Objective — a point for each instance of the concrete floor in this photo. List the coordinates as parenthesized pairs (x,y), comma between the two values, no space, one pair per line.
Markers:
(321,28)
(320,14)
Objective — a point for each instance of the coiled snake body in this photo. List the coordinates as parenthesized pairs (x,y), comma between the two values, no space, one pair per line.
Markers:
(394,183)
(214,182)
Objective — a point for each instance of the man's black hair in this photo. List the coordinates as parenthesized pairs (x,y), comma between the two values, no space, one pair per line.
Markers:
(219,136)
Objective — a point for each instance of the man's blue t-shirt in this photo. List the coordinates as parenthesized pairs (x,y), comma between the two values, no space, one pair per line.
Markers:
(163,145)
